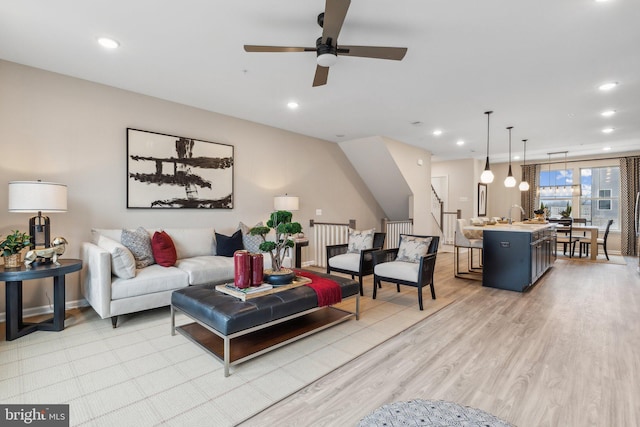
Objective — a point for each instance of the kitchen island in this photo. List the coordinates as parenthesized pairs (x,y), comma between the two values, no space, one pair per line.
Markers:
(516,255)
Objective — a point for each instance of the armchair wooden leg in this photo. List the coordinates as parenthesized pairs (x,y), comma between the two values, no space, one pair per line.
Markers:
(375,288)
(361,290)
(433,291)
(420,297)
(398,286)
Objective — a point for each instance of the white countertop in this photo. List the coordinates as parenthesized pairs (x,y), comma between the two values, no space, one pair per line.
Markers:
(519,227)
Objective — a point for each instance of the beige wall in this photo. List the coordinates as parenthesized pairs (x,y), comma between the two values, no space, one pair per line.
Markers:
(61,129)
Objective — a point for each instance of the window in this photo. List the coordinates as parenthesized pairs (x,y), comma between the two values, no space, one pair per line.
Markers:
(600,200)
(555,190)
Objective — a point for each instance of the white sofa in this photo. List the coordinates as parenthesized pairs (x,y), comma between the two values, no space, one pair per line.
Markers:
(151,287)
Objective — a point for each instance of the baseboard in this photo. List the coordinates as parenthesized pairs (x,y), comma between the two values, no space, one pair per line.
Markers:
(47,309)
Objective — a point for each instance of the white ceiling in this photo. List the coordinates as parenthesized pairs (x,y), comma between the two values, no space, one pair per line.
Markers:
(537,64)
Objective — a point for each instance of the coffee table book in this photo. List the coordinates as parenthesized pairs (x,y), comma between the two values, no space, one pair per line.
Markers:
(259,291)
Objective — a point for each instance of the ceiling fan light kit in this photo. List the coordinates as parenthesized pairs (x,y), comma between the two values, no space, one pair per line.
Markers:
(327,48)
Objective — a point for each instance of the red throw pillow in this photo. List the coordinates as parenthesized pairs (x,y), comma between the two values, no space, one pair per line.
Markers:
(164,251)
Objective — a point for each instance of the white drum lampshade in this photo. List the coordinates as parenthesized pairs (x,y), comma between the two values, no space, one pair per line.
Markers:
(286,203)
(38,196)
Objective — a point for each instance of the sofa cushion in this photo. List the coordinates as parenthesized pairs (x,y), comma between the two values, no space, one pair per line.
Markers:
(149,280)
(359,240)
(348,261)
(164,251)
(123,264)
(413,248)
(398,270)
(207,269)
(138,242)
(227,245)
(190,242)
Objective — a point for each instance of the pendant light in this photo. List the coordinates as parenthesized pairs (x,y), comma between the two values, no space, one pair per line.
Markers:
(524,185)
(510,181)
(487,175)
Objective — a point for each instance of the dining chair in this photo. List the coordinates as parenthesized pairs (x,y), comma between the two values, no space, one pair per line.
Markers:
(411,264)
(585,242)
(461,241)
(567,238)
(360,264)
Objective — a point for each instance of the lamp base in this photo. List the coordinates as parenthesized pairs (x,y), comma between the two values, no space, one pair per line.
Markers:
(40,231)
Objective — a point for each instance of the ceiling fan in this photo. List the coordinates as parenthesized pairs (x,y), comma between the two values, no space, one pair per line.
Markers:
(327,48)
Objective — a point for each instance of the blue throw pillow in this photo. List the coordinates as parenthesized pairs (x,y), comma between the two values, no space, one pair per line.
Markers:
(227,245)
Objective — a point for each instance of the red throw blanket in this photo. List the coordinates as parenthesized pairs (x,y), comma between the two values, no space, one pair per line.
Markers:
(327,290)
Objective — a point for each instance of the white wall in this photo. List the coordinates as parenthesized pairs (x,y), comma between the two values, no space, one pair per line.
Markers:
(61,129)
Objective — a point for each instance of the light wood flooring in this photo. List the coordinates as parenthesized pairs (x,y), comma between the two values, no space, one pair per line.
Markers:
(563,354)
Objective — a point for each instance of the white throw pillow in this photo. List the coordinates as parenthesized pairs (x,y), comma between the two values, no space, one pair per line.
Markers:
(413,248)
(360,240)
(123,264)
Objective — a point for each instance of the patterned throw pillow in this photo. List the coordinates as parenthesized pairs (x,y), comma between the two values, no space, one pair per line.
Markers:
(412,248)
(123,264)
(359,240)
(139,243)
(251,243)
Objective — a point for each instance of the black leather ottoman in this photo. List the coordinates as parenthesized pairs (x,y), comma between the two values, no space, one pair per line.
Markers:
(257,325)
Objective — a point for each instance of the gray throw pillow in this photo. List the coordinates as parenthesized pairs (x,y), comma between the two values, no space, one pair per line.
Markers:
(251,243)
(138,242)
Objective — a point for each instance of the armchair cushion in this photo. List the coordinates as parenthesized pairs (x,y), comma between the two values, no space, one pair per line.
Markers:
(359,240)
(412,248)
(123,264)
(401,270)
(348,261)
(138,242)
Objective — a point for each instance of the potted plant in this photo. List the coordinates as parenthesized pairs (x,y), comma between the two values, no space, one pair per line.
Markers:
(12,246)
(280,222)
(567,212)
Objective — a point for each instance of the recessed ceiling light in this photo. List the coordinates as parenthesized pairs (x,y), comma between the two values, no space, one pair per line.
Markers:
(437,132)
(516,157)
(292,105)
(606,148)
(108,43)
(608,113)
(460,142)
(607,130)
(608,86)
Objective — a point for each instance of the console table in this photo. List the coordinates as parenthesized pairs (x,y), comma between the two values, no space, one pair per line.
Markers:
(13,278)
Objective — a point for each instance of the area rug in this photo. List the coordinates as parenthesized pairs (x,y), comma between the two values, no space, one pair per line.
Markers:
(138,374)
(430,413)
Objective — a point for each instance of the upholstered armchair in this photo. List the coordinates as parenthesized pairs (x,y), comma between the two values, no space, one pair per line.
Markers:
(359,263)
(411,264)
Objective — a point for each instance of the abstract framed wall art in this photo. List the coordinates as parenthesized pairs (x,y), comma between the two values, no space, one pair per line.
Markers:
(167,171)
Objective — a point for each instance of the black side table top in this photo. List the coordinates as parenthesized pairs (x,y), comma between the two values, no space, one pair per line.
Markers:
(40,271)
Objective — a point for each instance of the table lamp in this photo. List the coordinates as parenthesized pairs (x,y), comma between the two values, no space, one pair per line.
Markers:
(38,196)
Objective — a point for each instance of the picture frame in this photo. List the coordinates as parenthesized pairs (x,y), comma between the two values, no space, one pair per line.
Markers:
(169,171)
(482,199)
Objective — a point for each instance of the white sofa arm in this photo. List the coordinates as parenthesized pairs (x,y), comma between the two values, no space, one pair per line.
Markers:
(96,278)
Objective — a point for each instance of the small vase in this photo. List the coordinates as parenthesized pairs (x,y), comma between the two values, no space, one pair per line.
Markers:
(241,269)
(13,260)
(257,269)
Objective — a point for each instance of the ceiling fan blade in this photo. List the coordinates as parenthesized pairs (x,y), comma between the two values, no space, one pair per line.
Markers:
(334,13)
(254,48)
(379,52)
(322,73)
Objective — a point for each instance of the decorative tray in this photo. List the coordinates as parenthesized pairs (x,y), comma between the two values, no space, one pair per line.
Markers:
(260,291)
